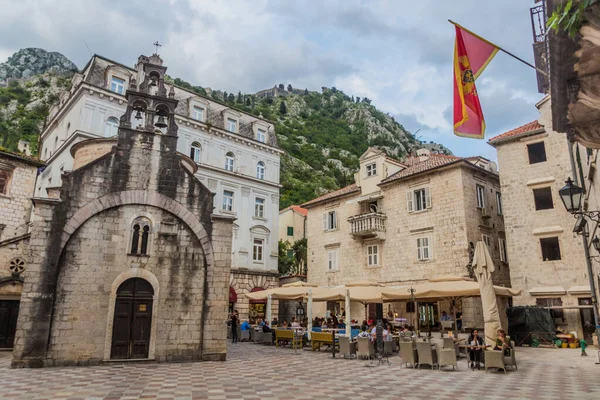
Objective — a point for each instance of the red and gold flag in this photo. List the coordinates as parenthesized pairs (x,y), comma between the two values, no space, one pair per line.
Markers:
(471,55)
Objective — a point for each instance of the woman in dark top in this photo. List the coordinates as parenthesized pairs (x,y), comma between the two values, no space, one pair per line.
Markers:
(475,353)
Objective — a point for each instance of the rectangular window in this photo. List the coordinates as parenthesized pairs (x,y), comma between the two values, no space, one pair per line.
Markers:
(329,221)
(423,248)
(4,181)
(261,136)
(480,196)
(231,125)
(536,152)
(373,255)
(229,160)
(550,249)
(195,153)
(332,260)
(117,85)
(488,242)
(552,302)
(198,113)
(290,231)
(372,169)
(257,250)
(259,207)
(227,200)
(499,203)
(502,247)
(543,198)
(418,200)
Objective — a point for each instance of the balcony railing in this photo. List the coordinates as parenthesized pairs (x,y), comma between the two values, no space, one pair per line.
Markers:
(370,224)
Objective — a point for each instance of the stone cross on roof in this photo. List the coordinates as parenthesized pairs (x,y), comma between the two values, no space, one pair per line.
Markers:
(157,45)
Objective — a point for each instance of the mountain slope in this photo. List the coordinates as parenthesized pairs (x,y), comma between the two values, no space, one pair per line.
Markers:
(323,133)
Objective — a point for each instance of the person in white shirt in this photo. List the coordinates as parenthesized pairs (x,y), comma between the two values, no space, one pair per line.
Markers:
(295,324)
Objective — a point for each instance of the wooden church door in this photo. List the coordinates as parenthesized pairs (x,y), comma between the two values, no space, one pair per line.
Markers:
(9,312)
(133,319)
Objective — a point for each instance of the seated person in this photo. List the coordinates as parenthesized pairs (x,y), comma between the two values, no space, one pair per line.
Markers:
(295,323)
(502,342)
(364,333)
(387,333)
(245,326)
(266,328)
(445,317)
(275,322)
(475,354)
(285,324)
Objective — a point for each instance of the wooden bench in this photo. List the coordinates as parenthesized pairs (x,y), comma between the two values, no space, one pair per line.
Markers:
(319,338)
(288,336)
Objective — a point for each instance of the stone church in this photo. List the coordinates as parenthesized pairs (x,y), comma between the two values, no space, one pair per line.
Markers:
(126,258)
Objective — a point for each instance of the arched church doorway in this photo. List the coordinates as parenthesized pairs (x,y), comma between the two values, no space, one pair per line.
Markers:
(133,319)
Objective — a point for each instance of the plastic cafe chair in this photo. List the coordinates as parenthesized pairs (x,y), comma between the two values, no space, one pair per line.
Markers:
(364,348)
(347,348)
(408,354)
(427,355)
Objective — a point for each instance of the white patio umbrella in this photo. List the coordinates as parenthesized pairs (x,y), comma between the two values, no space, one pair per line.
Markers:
(483,267)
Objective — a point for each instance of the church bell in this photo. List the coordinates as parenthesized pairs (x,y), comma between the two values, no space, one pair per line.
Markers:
(152,81)
(161,122)
(138,115)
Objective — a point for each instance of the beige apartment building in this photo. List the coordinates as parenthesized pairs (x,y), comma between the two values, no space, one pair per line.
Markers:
(547,261)
(292,224)
(407,222)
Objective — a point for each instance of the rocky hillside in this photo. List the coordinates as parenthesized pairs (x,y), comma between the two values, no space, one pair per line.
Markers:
(323,133)
(28,62)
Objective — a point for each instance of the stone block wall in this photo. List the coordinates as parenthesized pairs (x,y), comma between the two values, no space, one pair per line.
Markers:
(243,281)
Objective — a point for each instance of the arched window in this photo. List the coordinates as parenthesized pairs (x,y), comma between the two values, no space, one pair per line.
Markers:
(112,127)
(195,152)
(229,160)
(140,236)
(260,170)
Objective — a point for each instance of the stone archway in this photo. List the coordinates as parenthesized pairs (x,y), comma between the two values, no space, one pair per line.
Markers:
(141,197)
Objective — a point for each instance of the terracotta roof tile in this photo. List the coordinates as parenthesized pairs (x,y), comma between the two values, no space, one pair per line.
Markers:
(298,209)
(415,166)
(336,193)
(530,127)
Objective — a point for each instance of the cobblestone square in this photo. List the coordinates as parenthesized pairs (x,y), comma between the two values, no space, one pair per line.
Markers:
(255,371)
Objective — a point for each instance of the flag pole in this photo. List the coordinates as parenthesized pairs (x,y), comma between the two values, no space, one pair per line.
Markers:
(499,48)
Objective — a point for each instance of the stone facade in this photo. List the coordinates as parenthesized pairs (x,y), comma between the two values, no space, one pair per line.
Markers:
(244,281)
(376,212)
(85,248)
(563,280)
(91,110)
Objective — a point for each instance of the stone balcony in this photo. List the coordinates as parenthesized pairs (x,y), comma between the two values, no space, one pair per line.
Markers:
(368,226)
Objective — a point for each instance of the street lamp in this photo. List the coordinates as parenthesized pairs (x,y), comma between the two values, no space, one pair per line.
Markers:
(571,195)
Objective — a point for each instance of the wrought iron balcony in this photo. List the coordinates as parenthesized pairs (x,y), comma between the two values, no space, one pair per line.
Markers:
(368,225)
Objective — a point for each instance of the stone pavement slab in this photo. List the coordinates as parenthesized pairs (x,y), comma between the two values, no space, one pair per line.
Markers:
(262,372)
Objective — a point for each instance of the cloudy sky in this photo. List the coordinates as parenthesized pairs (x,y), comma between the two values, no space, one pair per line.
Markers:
(398,53)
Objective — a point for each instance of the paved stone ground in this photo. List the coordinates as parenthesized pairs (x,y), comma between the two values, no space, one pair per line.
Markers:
(262,372)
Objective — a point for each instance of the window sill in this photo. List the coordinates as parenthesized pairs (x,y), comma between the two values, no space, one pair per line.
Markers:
(5,196)
(260,219)
(374,266)
(138,255)
(333,270)
(419,211)
(331,230)
(228,212)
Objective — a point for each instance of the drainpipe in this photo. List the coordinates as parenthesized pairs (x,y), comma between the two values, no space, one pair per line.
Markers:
(588,260)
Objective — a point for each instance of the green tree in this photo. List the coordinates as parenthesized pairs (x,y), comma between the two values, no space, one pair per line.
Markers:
(306,92)
(300,250)
(248,102)
(240,99)
(285,262)
(282,108)
(289,88)
(231,98)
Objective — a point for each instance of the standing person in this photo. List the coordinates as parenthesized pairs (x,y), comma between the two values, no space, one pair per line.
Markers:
(334,319)
(475,351)
(458,319)
(234,326)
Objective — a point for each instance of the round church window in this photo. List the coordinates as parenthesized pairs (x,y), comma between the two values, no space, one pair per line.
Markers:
(17,266)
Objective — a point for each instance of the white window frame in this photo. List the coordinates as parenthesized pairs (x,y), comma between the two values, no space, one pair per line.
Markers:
(499,203)
(330,221)
(227,201)
(487,239)
(332,260)
(259,207)
(419,196)
(229,125)
(260,170)
(258,250)
(261,135)
(480,191)
(424,250)
(229,161)
(196,152)
(198,113)
(117,85)
(373,255)
(371,169)
(502,247)
(110,127)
